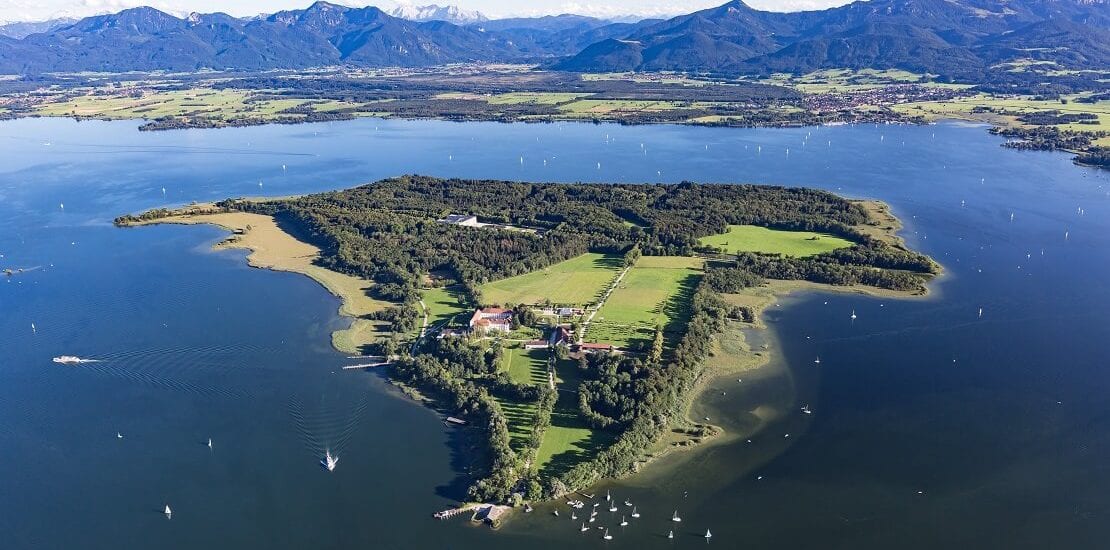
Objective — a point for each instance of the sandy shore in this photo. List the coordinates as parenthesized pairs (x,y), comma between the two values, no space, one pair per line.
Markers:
(273,248)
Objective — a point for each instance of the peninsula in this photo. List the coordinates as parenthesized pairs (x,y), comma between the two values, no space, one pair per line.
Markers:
(565,327)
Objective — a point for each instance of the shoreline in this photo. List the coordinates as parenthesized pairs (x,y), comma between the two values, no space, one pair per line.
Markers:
(270,247)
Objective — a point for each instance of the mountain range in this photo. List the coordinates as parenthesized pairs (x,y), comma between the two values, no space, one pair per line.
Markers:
(21,29)
(450,14)
(955,38)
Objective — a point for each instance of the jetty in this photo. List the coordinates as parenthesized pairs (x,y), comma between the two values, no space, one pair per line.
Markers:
(452,512)
(366,366)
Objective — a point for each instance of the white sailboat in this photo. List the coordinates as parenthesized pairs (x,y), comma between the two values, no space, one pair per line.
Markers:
(853,315)
(119,435)
(708,535)
(167,511)
(675,517)
(584,528)
(805,409)
(670,535)
(624,522)
(607,536)
(817,361)
(209,442)
(635,514)
(329,461)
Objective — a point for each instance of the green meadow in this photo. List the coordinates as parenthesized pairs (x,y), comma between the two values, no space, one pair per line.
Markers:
(655,292)
(750,238)
(578,280)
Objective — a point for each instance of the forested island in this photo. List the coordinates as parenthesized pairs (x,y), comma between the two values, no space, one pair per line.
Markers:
(567,325)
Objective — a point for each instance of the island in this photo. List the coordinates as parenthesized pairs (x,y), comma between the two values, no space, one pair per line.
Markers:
(565,328)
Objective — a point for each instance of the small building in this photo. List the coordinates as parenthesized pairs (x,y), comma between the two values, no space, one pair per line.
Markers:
(589,347)
(568,311)
(492,319)
(535,344)
(560,336)
(461,219)
(450,333)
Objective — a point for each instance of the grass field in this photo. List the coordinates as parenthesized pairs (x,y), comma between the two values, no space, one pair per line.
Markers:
(519,417)
(576,281)
(526,366)
(568,440)
(537,98)
(847,80)
(654,292)
(751,238)
(604,106)
(220,104)
(443,304)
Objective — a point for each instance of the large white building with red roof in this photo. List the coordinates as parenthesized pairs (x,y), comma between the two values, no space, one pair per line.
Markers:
(492,319)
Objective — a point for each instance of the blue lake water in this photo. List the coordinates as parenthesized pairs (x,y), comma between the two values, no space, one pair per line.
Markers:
(932,426)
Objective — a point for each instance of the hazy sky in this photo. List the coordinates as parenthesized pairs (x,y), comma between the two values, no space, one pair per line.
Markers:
(37,10)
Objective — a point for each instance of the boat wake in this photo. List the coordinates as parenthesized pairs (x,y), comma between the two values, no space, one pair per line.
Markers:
(71,360)
(325,429)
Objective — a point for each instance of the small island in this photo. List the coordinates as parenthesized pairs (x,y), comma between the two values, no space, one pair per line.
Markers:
(566,328)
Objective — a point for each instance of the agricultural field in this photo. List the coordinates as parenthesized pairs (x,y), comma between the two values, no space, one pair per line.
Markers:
(847,80)
(963,109)
(606,106)
(576,281)
(750,238)
(654,292)
(535,98)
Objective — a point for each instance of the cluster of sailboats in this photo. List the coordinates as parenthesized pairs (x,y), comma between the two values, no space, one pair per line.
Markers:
(613,507)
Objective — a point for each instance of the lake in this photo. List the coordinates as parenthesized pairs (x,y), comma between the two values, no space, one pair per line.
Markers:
(932,426)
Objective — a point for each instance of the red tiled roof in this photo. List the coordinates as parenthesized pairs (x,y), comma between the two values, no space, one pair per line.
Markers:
(596,346)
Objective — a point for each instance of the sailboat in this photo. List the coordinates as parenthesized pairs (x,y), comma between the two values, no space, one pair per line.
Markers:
(608,497)
(607,536)
(329,461)
(584,528)
(167,511)
(119,435)
(624,522)
(613,508)
(853,315)
(817,361)
(635,514)
(670,535)
(805,409)
(573,516)
(209,442)
(708,535)
(675,517)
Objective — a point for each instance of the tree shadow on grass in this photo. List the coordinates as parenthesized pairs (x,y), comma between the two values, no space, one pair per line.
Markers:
(678,309)
(566,415)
